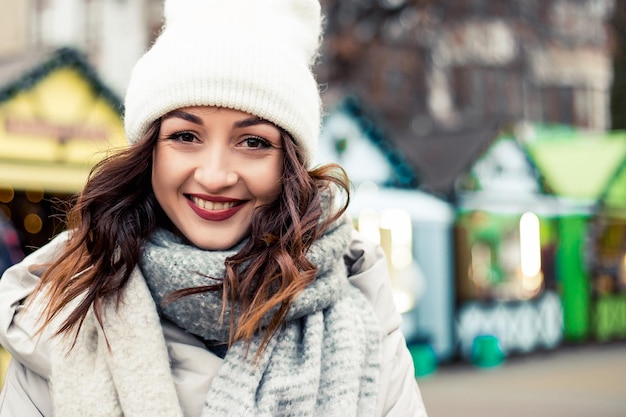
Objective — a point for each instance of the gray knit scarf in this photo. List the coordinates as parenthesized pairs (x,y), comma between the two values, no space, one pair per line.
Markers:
(324,362)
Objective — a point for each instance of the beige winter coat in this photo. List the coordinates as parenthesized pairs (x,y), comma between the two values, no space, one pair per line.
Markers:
(26,392)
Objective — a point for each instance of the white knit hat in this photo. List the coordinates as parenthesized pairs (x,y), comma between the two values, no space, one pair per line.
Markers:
(249,55)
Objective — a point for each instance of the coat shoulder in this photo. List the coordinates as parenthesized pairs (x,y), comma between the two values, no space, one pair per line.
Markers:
(399,394)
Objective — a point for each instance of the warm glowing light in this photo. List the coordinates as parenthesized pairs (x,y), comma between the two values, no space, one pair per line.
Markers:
(399,223)
(532,284)
(530,245)
(33,223)
(369,225)
(392,229)
(34,196)
(6,194)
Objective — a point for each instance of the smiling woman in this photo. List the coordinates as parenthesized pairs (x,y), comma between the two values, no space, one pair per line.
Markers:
(208,268)
(212,169)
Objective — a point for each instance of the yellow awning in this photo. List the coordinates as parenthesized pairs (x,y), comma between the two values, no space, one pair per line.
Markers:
(52,178)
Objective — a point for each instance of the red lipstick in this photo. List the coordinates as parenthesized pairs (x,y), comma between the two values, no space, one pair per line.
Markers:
(215,215)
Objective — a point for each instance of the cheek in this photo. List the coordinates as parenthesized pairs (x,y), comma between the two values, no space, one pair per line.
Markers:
(265,182)
(274,192)
(157,187)
(162,174)
(274,184)
(157,168)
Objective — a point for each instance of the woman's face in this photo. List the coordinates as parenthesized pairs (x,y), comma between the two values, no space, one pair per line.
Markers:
(211,168)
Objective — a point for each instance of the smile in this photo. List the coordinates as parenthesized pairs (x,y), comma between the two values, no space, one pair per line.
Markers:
(214,210)
(213,205)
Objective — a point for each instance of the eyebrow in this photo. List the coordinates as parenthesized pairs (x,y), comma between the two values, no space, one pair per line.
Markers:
(183,115)
(251,121)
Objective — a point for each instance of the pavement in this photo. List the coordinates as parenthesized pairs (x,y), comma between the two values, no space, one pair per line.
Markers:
(572,381)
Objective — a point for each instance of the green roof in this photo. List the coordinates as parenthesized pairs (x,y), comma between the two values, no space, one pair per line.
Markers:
(615,195)
(579,165)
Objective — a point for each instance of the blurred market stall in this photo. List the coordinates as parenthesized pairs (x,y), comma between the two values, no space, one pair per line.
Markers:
(57,119)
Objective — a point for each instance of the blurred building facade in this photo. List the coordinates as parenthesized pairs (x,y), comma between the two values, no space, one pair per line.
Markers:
(473,95)
(444,74)
(112,34)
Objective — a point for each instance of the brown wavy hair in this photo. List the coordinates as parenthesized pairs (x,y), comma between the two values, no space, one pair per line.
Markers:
(117,212)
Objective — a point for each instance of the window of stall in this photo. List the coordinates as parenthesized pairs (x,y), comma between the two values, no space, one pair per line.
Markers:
(503,257)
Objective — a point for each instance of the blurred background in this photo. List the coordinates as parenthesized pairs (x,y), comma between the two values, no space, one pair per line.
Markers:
(484,138)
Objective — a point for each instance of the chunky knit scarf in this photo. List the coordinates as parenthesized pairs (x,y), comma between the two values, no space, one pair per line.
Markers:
(324,362)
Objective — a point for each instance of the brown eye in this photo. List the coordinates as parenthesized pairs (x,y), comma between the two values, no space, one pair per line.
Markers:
(255,142)
(186,137)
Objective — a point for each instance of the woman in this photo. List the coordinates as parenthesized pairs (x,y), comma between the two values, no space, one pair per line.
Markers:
(207,269)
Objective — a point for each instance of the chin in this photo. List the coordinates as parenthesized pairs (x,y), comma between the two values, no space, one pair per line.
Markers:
(215,246)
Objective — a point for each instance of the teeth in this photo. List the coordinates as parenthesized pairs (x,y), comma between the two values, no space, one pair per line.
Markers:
(212,205)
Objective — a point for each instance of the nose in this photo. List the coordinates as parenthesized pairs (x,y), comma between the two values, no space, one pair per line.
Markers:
(216,169)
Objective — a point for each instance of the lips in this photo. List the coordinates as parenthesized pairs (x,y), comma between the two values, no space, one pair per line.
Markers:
(215,209)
